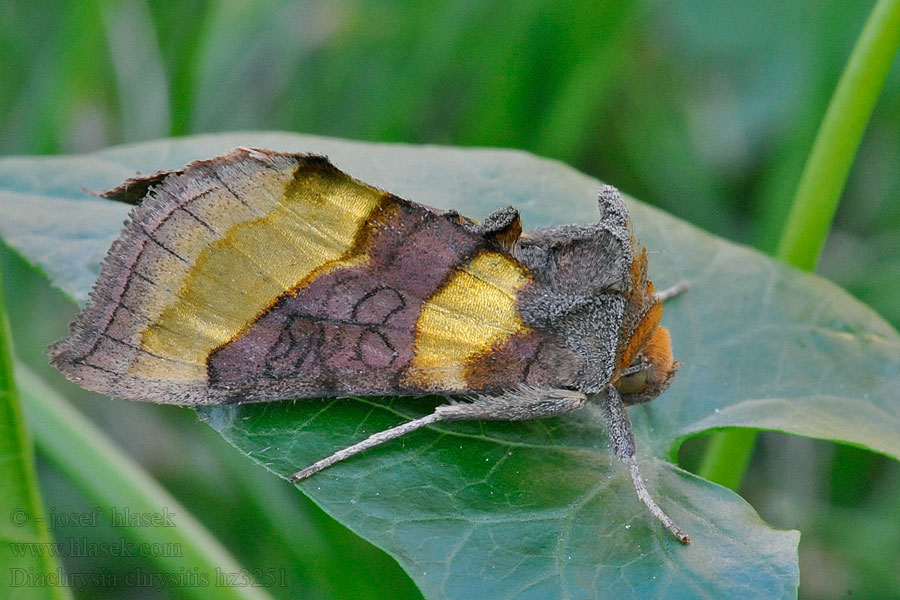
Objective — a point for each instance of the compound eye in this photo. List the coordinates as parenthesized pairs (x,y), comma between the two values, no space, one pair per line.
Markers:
(634,379)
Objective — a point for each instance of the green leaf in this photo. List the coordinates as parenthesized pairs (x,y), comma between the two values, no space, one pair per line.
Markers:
(25,558)
(535,509)
(819,192)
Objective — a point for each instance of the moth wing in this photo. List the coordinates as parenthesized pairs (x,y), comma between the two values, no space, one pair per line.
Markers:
(260,275)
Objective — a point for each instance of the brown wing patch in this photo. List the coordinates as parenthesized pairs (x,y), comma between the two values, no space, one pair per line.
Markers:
(528,357)
(349,327)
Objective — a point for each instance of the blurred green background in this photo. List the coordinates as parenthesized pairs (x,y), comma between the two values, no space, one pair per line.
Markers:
(705,109)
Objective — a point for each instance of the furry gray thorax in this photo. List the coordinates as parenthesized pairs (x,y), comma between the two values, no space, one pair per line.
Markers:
(581,275)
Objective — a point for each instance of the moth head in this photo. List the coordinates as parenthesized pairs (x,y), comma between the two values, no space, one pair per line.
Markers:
(649,371)
(644,365)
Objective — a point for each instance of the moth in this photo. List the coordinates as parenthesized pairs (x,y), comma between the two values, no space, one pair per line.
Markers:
(259,276)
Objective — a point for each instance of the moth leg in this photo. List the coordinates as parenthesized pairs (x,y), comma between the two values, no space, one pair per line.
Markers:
(671,292)
(370,442)
(622,435)
(521,404)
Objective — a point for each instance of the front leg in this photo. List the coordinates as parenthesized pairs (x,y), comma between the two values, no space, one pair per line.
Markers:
(621,435)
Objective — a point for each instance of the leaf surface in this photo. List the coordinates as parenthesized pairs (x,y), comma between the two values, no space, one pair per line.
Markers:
(539,509)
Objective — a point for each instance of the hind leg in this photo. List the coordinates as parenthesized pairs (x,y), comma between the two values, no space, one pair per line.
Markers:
(521,404)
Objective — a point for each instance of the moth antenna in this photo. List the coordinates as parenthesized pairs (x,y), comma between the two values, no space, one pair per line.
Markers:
(671,292)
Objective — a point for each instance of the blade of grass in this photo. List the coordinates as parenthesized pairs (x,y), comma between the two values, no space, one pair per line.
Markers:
(111,479)
(840,134)
(727,456)
(25,524)
(818,193)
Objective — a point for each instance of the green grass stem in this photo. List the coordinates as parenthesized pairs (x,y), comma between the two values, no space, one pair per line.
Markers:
(111,479)
(818,193)
(25,522)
